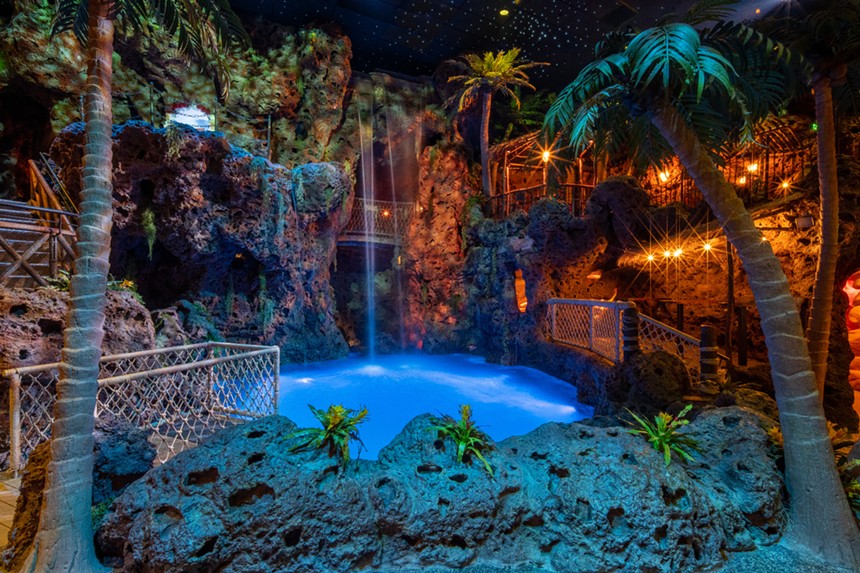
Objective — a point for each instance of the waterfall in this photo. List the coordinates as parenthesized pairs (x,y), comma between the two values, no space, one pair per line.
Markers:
(365,134)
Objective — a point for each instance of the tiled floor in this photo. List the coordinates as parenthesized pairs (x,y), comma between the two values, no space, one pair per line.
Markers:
(8,497)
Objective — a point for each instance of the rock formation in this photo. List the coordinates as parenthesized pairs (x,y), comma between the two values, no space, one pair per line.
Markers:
(241,246)
(565,497)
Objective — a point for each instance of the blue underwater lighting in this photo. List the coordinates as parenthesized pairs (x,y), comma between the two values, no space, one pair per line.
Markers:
(506,400)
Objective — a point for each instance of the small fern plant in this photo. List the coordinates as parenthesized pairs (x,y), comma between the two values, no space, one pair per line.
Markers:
(470,440)
(339,426)
(663,434)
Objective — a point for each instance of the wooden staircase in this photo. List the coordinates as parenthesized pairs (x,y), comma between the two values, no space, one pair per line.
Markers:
(36,238)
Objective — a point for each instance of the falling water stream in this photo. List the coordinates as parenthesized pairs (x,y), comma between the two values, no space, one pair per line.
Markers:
(365,134)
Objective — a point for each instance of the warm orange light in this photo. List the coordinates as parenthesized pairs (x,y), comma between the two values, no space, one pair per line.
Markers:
(503,12)
(545,156)
(707,246)
(386,213)
(742,180)
(784,184)
(752,167)
(520,291)
(667,254)
(677,253)
(664,176)
(758,10)
(650,257)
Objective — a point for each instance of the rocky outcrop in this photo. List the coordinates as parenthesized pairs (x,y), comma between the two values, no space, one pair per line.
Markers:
(245,243)
(433,254)
(32,323)
(565,498)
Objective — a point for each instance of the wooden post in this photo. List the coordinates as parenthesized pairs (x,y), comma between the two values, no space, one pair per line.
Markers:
(15,424)
(708,360)
(742,336)
(679,316)
(730,302)
(629,332)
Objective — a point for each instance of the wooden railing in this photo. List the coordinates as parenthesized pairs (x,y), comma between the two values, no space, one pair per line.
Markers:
(35,243)
(572,195)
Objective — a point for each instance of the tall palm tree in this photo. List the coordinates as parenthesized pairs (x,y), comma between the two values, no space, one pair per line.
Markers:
(673,91)
(829,38)
(64,541)
(482,77)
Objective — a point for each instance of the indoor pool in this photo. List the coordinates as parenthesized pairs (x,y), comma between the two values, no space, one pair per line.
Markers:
(506,400)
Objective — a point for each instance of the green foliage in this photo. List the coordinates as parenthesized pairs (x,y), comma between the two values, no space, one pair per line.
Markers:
(849,473)
(469,439)
(339,426)
(721,80)
(663,434)
(126,285)
(229,297)
(147,221)
(201,28)
(516,120)
(173,135)
(266,306)
(63,280)
(491,72)
(99,511)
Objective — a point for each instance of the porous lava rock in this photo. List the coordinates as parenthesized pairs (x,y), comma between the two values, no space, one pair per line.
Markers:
(433,253)
(564,497)
(654,379)
(122,453)
(32,323)
(246,244)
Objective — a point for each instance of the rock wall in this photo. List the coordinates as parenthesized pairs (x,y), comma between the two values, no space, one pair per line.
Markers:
(243,247)
(564,498)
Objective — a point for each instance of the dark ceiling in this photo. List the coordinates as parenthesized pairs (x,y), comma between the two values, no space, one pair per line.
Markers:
(413,36)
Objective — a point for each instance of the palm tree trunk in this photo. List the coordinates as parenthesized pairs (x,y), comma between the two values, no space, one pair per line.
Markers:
(64,541)
(819,517)
(486,105)
(820,314)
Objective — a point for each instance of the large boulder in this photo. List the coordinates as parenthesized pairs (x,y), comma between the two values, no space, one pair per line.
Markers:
(565,497)
(243,248)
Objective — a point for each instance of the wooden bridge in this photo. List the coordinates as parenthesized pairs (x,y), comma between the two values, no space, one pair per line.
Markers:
(377,222)
(36,238)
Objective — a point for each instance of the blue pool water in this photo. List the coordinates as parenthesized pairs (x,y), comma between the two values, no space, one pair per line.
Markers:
(506,400)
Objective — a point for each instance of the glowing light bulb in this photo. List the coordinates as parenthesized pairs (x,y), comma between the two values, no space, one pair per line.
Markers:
(752,167)
(742,180)
(763,239)
(784,185)
(664,176)
(503,12)
(667,254)
(758,10)
(677,253)
(386,213)
(545,156)
(707,246)
(650,257)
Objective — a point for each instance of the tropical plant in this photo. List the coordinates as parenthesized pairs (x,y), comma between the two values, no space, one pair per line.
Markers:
(663,434)
(516,119)
(147,221)
(64,538)
(674,89)
(339,426)
(829,39)
(470,440)
(482,77)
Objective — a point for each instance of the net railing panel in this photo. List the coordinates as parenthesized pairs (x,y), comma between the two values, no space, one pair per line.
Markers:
(378,221)
(180,394)
(591,324)
(655,335)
